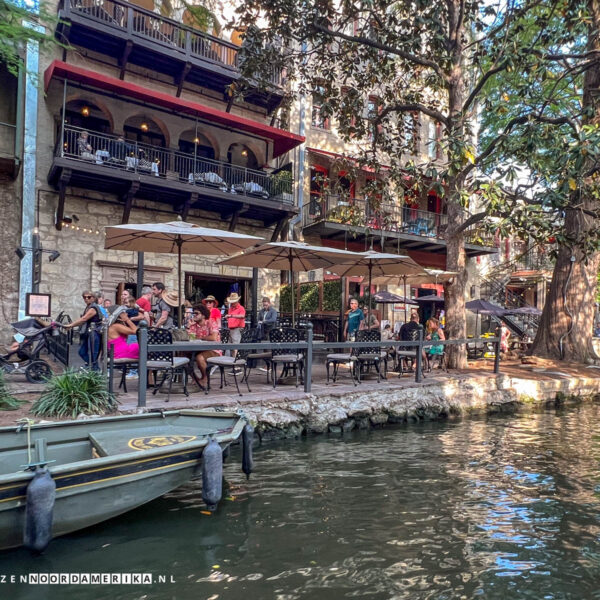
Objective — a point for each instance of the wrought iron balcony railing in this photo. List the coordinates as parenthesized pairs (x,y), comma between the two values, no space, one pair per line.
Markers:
(117,153)
(137,21)
(358,212)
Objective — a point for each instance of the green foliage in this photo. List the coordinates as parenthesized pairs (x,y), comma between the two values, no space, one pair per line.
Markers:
(309,297)
(18,25)
(73,393)
(332,295)
(285,298)
(7,400)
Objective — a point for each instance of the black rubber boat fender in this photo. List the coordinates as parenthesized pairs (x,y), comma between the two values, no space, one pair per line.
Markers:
(212,474)
(247,439)
(39,510)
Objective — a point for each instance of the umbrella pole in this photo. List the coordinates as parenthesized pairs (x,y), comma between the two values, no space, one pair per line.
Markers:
(405,298)
(369,311)
(292,288)
(179,244)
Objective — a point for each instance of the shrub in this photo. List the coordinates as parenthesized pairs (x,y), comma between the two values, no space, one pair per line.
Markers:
(285,298)
(73,393)
(332,295)
(7,400)
(309,297)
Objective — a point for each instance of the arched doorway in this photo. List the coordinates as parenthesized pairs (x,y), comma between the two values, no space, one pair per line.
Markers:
(86,115)
(197,144)
(144,130)
(241,156)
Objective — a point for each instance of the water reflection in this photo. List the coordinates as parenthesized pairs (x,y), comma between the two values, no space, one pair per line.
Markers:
(496,508)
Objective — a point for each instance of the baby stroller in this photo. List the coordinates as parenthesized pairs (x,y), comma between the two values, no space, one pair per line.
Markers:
(26,358)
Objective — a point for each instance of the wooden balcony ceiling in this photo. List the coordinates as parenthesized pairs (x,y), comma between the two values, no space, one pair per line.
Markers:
(81,29)
(129,186)
(408,241)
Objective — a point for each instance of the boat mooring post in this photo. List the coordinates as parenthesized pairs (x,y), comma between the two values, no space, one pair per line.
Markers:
(419,357)
(143,364)
(309,358)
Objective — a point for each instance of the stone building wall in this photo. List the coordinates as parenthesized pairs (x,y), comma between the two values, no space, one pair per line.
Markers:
(83,261)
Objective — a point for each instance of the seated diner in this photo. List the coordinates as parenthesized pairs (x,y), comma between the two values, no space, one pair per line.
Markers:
(120,327)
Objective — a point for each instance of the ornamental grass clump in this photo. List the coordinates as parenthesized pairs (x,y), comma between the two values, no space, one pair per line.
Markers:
(7,400)
(74,393)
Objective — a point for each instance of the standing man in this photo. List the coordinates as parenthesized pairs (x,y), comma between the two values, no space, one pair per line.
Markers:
(145,302)
(267,318)
(163,316)
(236,319)
(89,332)
(354,318)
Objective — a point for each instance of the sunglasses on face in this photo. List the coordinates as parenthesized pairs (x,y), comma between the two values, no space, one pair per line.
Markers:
(87,297)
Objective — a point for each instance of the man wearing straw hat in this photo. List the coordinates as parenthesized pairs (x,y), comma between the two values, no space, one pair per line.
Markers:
(236,319)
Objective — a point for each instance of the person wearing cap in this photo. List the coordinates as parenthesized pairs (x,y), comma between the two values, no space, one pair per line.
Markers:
(120,327)
(213,306)
(236,319)
(166,302)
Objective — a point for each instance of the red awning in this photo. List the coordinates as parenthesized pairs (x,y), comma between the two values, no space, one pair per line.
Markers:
(282,140)
(329,154)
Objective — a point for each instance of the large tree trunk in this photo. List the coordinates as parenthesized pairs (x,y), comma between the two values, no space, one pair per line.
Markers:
(454,291)
(565,330)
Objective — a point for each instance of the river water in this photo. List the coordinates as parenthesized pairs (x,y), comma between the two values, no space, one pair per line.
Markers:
(503,507)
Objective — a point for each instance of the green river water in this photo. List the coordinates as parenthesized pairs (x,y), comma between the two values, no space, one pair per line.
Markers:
(503,507)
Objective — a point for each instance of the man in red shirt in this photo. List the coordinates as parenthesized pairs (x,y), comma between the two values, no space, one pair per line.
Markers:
(211,303)
(236,319)
(145,302)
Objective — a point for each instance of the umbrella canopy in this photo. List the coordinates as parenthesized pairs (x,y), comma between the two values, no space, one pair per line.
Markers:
(385,297)
(485,308)
(524,310)
(292,256)
(431,298)
(379,264)
(176,237)
(429,276)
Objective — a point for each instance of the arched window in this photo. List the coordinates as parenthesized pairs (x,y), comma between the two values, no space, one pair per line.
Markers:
(192,142)
(87,115)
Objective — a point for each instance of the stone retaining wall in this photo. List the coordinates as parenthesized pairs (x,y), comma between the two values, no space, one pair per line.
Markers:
(374,405)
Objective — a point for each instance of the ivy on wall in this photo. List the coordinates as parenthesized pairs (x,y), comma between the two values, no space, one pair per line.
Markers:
(309,297)
(332,295)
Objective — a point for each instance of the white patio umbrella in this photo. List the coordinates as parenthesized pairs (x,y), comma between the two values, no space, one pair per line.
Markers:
(292,256)
(379,264)
(429,276)
(176,237)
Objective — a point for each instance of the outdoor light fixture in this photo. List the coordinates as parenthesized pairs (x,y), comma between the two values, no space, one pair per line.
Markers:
(196,140)
(244,152)
(20,252)
(54,254)
(144,127)
(85,111)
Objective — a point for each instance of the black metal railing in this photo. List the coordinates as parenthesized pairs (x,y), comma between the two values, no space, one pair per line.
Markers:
(306,347)
(140,22)
(117,153)
(359,212)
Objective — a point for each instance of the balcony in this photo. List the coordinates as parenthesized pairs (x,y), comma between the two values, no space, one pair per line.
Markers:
(334,217)
(131,34)
(132,170)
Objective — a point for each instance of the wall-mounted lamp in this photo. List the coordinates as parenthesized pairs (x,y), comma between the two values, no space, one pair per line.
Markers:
(144,127)
(85,111)
(244,152)
(196,140)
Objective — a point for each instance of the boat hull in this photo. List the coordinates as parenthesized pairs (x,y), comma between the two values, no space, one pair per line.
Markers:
(92,491)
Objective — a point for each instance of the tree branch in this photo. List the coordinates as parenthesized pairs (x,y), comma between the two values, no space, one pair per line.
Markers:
(411,107)
(476,218)
(379,46)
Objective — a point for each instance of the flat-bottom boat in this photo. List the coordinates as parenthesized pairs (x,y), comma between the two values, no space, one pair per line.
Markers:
(104,467)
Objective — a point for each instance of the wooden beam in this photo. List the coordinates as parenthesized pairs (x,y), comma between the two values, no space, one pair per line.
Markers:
(185,210)
(234,219)
(128,197)
(279,228)
(124,58)
(226,216)
(63,182)
(179,80)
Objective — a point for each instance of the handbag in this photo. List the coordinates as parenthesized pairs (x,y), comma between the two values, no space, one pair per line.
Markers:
(180,335)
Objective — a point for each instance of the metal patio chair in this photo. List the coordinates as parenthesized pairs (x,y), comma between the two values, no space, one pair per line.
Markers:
(165,361)
(287,357)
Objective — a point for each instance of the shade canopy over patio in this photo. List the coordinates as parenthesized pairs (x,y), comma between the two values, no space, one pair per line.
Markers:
(292,256)
(385,297)
(485,308)
(176,237)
